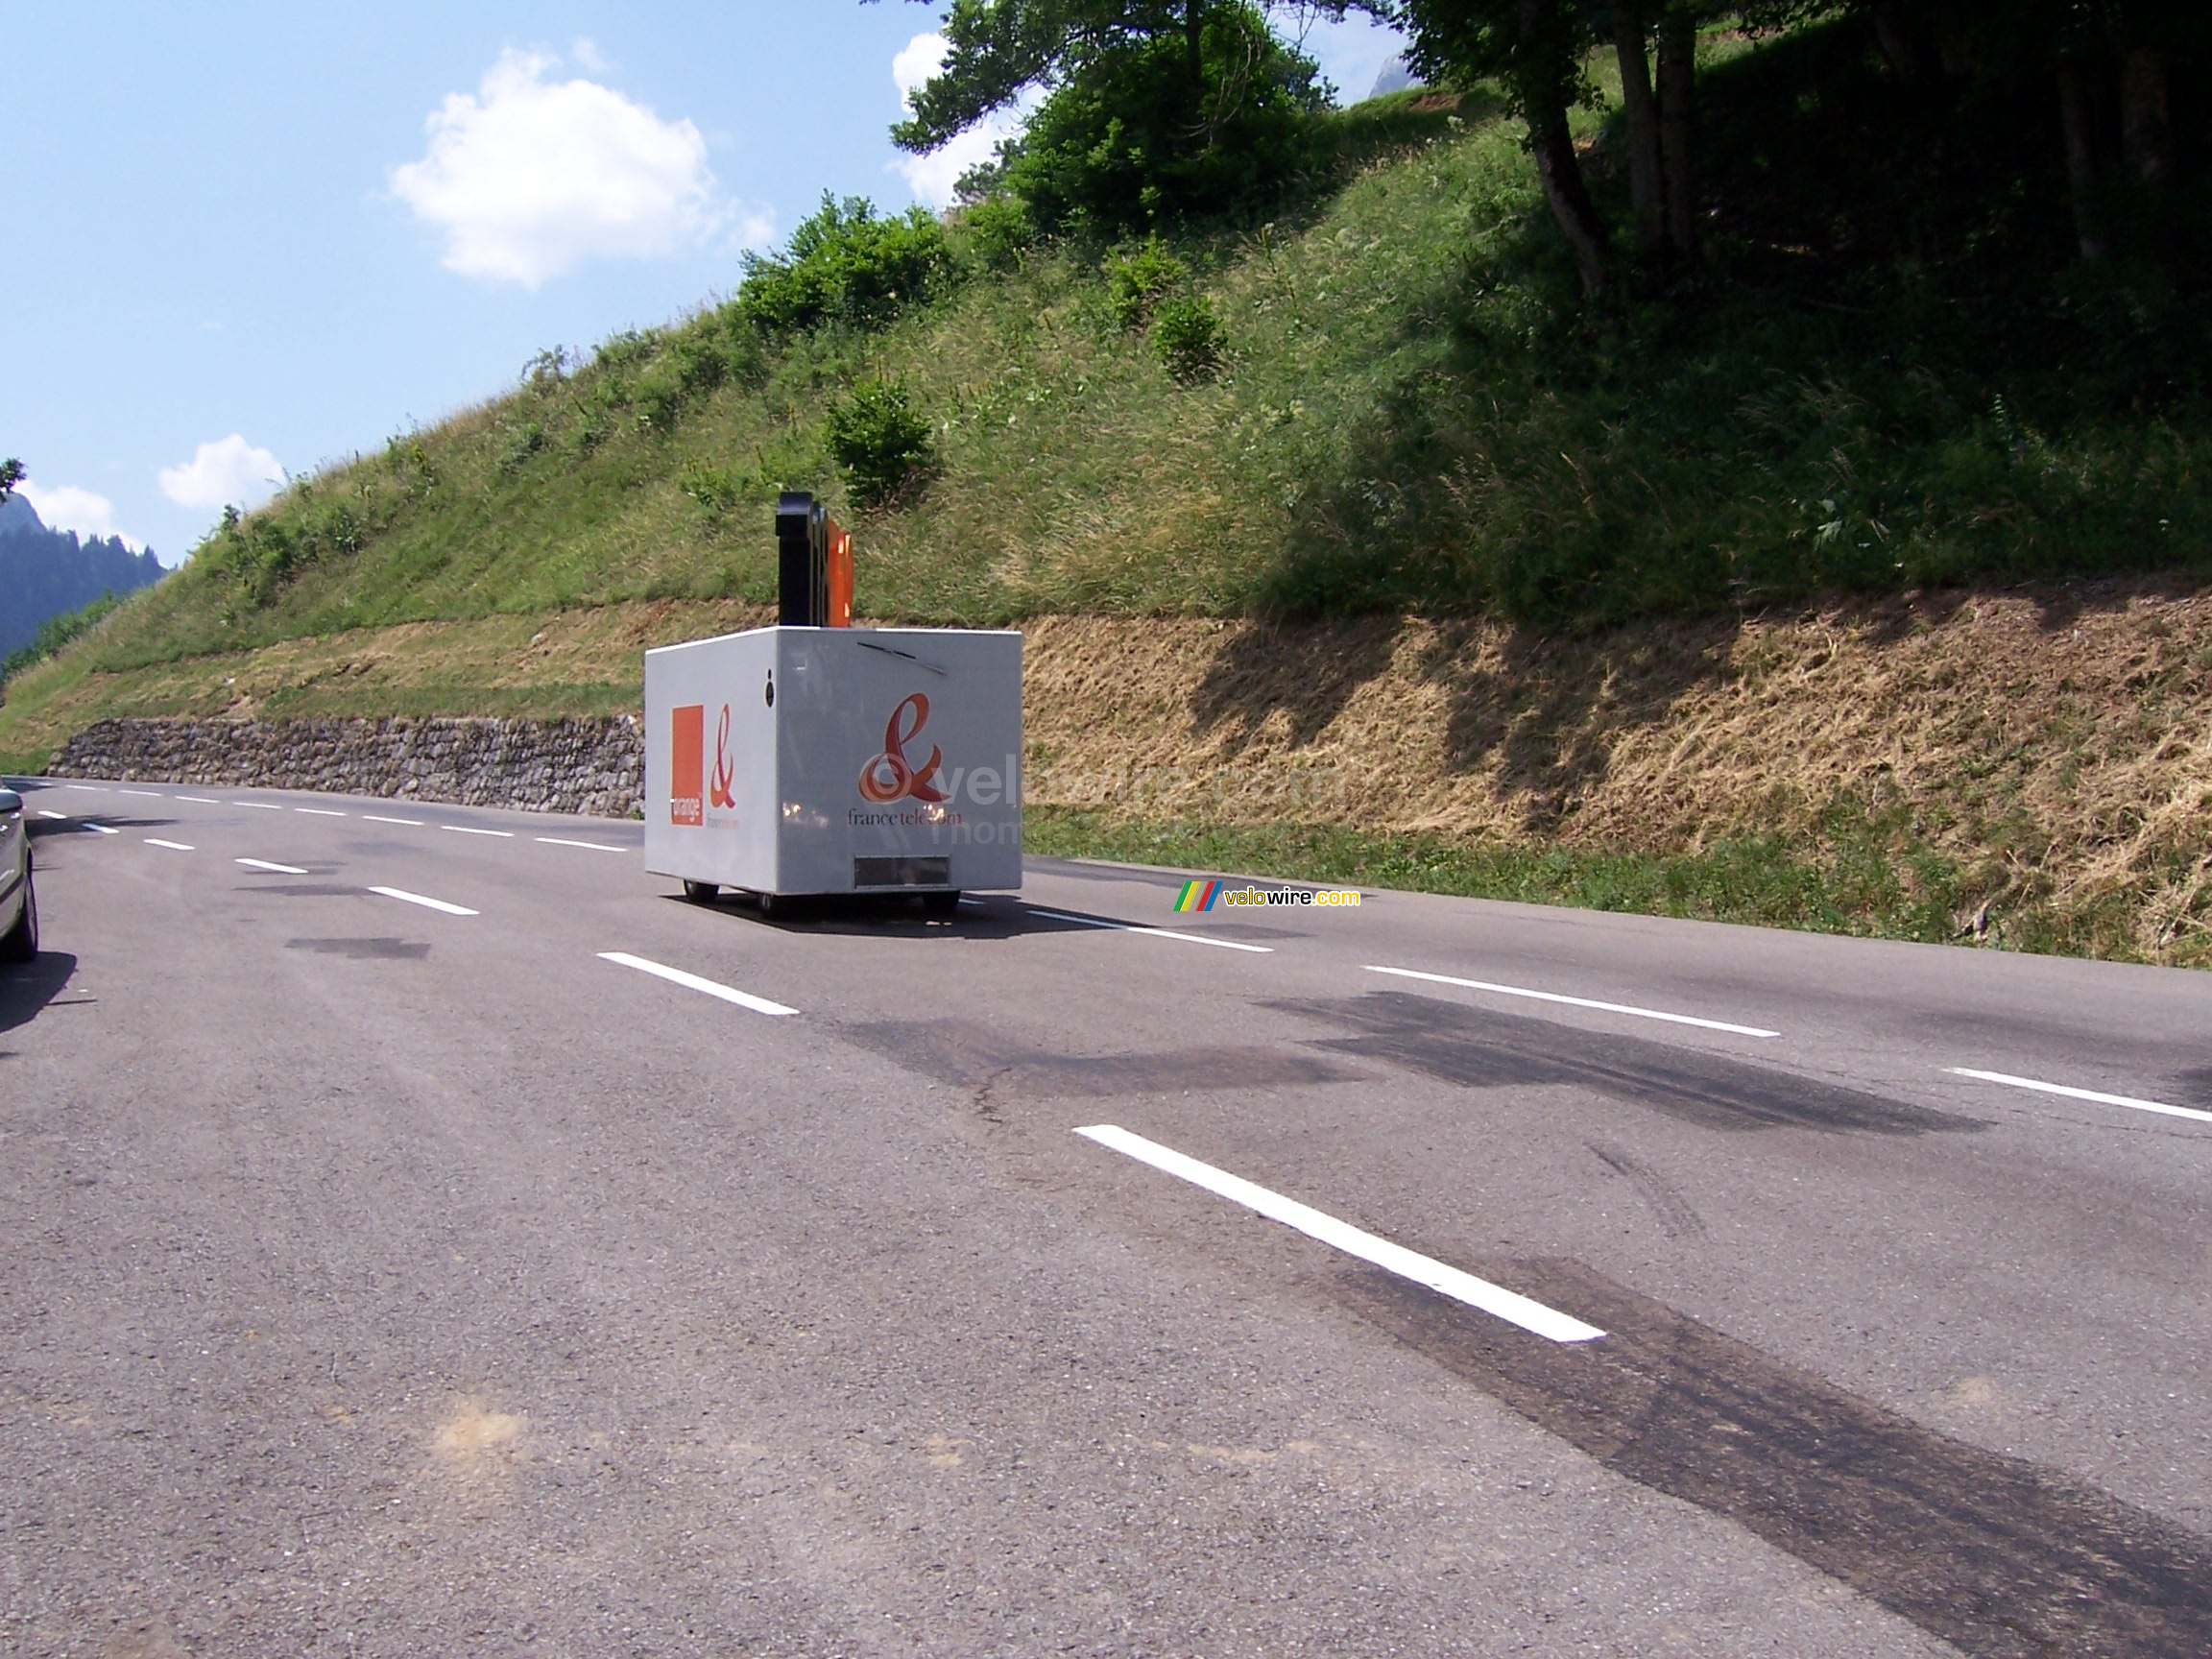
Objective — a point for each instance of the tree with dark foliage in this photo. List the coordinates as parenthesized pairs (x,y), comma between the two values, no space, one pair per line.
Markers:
(2109,66)
(1154,110)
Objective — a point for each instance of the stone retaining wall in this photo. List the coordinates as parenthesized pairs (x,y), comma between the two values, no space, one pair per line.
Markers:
(587,766)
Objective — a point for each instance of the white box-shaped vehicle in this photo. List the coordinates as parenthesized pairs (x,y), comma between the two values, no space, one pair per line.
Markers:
(804,760)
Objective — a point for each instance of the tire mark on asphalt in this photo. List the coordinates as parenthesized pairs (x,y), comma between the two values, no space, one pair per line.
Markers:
(377,949)
(1486,1049)
(2001,1557)
(1677,1219)
(973,1056)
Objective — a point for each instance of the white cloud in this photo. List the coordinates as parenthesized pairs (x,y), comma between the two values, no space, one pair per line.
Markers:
(586,50)
(529,178)
(226,473)
(920,59)
(67,507)
(932,176)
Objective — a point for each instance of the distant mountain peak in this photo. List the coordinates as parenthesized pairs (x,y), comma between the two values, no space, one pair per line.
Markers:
(1395,76)
(44,572)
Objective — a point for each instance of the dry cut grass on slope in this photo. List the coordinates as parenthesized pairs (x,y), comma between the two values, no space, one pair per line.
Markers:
(2033,767)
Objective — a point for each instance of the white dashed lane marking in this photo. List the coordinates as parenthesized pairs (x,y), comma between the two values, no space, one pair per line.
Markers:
(1575,1001)
(101,828)
(1494,1299)
(1156,933)
(62,816)
(173,845)
(148,794)
(264,864)
(470,830)
(427,903)
(2128,1101)
(319,811)
(587,846)
(258,806)
(200,799)
(372,818)
(693,982)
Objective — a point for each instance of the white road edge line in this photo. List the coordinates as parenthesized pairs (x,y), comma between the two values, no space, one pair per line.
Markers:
(693,982)
(2128,1101)
(260,805)
(1575,1001)
(372,818)
(427,903)
(1156,933)
(173,845)
(100,829)
(467,829)
(150,793)
(200,799)
(1493,1299)
(319,811)
(264,864)
(591,846)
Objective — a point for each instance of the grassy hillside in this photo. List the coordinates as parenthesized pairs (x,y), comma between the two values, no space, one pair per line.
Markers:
(1858,395)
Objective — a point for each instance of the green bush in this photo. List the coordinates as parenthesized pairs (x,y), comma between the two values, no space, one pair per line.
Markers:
(879,441)
(659,398)
(999,232)
(1127,142)
(627,351)
(1187,336)
(715,490)
(1136,282)
(263,552)
(844,264)
(522,441)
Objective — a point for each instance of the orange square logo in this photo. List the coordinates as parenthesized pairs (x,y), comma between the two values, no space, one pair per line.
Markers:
(687,765)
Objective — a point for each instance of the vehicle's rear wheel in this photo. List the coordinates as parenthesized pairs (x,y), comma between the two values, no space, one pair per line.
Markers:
(20,943)
(941,904)
(702,892)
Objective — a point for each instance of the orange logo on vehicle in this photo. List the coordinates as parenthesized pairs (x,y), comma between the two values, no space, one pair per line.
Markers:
(687,741)
(890,776)
(725,769)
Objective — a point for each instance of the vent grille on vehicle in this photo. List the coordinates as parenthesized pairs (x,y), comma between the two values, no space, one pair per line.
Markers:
(902,872)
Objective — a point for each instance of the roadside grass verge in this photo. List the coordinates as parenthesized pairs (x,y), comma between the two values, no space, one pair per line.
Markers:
(1857,874)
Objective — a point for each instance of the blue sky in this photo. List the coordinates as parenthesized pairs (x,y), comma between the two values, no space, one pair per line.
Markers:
(247,239)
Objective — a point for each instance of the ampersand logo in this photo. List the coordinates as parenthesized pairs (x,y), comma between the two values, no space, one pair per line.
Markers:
(725,769)
(890,776)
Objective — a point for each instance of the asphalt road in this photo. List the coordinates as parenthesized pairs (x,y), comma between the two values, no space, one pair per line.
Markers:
(396,1278)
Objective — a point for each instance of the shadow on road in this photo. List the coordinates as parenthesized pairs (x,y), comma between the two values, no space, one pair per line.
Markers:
(44,829)
(1483,1048)
(997,916)
(26,991)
